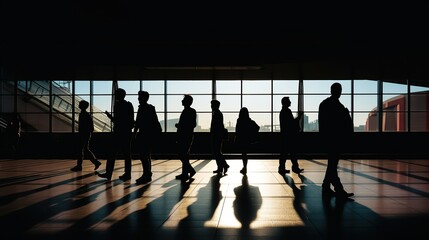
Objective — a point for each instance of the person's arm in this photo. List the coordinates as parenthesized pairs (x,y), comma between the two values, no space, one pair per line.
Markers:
(108,115)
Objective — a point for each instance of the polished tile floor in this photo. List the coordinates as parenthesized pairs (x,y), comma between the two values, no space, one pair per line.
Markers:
(42,199)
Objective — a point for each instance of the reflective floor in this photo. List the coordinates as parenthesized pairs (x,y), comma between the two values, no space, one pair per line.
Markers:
(43,199)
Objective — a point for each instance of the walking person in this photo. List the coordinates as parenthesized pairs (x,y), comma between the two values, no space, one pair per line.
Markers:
(185,136)
(123,123)
(336,126)
(246,131)
(217,131)
(289,130)
(146,132)
(85,130)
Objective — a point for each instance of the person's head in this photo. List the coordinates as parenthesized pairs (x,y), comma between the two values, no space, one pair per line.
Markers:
(83,105)
(286,101)
(336,90)
(120,94)
(187,100)
(143,96)
(215,104)
(244,113)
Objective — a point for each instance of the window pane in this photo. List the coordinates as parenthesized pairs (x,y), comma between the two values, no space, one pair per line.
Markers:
(324,86)
(312,102)
(82,87)
(61,122)
(102,103)
(257,102)
(231,86)
(419,121)
(189,87)
(153,87)
(229,102)
(260,86)
(365,86)
(360,120)
(229,121)
(201,103)
(101,122)
(172,119)
(285,86)
(365,102)
(311,123)
(203,122)
(130,86)
(157,101)
(102,87)
(394,88)
(174,103)
(34,122)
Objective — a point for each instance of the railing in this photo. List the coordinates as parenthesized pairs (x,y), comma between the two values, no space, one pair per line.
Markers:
(62,101)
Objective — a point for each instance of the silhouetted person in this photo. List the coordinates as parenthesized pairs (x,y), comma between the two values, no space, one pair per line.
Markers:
(289,130)
(336,126)
(217,131)
(146,132)
(185,136)
(85,129)
(123,123)
(245,134)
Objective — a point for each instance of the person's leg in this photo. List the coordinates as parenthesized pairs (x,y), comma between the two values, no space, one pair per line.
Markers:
(330,169)
(244,156)
(114,148)
(217,155)
(295,164)
(79,162)
(126,146)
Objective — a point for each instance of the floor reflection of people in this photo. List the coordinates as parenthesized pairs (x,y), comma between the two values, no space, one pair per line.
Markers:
(248,201)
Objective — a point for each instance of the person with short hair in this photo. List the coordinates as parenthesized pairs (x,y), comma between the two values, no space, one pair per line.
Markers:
(335,126)
(123,123)
(289,130)
(146,131)
(217,132)
(185,136)
(85,129)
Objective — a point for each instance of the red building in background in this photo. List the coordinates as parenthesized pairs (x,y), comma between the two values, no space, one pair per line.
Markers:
(395,114)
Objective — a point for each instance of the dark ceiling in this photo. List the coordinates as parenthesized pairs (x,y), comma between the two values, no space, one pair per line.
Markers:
(128,33)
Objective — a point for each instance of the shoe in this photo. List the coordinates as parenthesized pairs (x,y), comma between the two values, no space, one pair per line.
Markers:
(182,176)
(97,165)
(76,168)
(225,168)
(192,173)
(125,177)
(328,192)
(297,170)
(218,171)
(243,170)
(143,179)
(343,194)
(104,175)
(283,171)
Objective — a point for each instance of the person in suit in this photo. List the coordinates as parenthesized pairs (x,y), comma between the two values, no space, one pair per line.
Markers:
(185,136)
(123,123)
(217,131)
(85,130)
(246,131)
(146,132)
(335,126)
(289,130)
